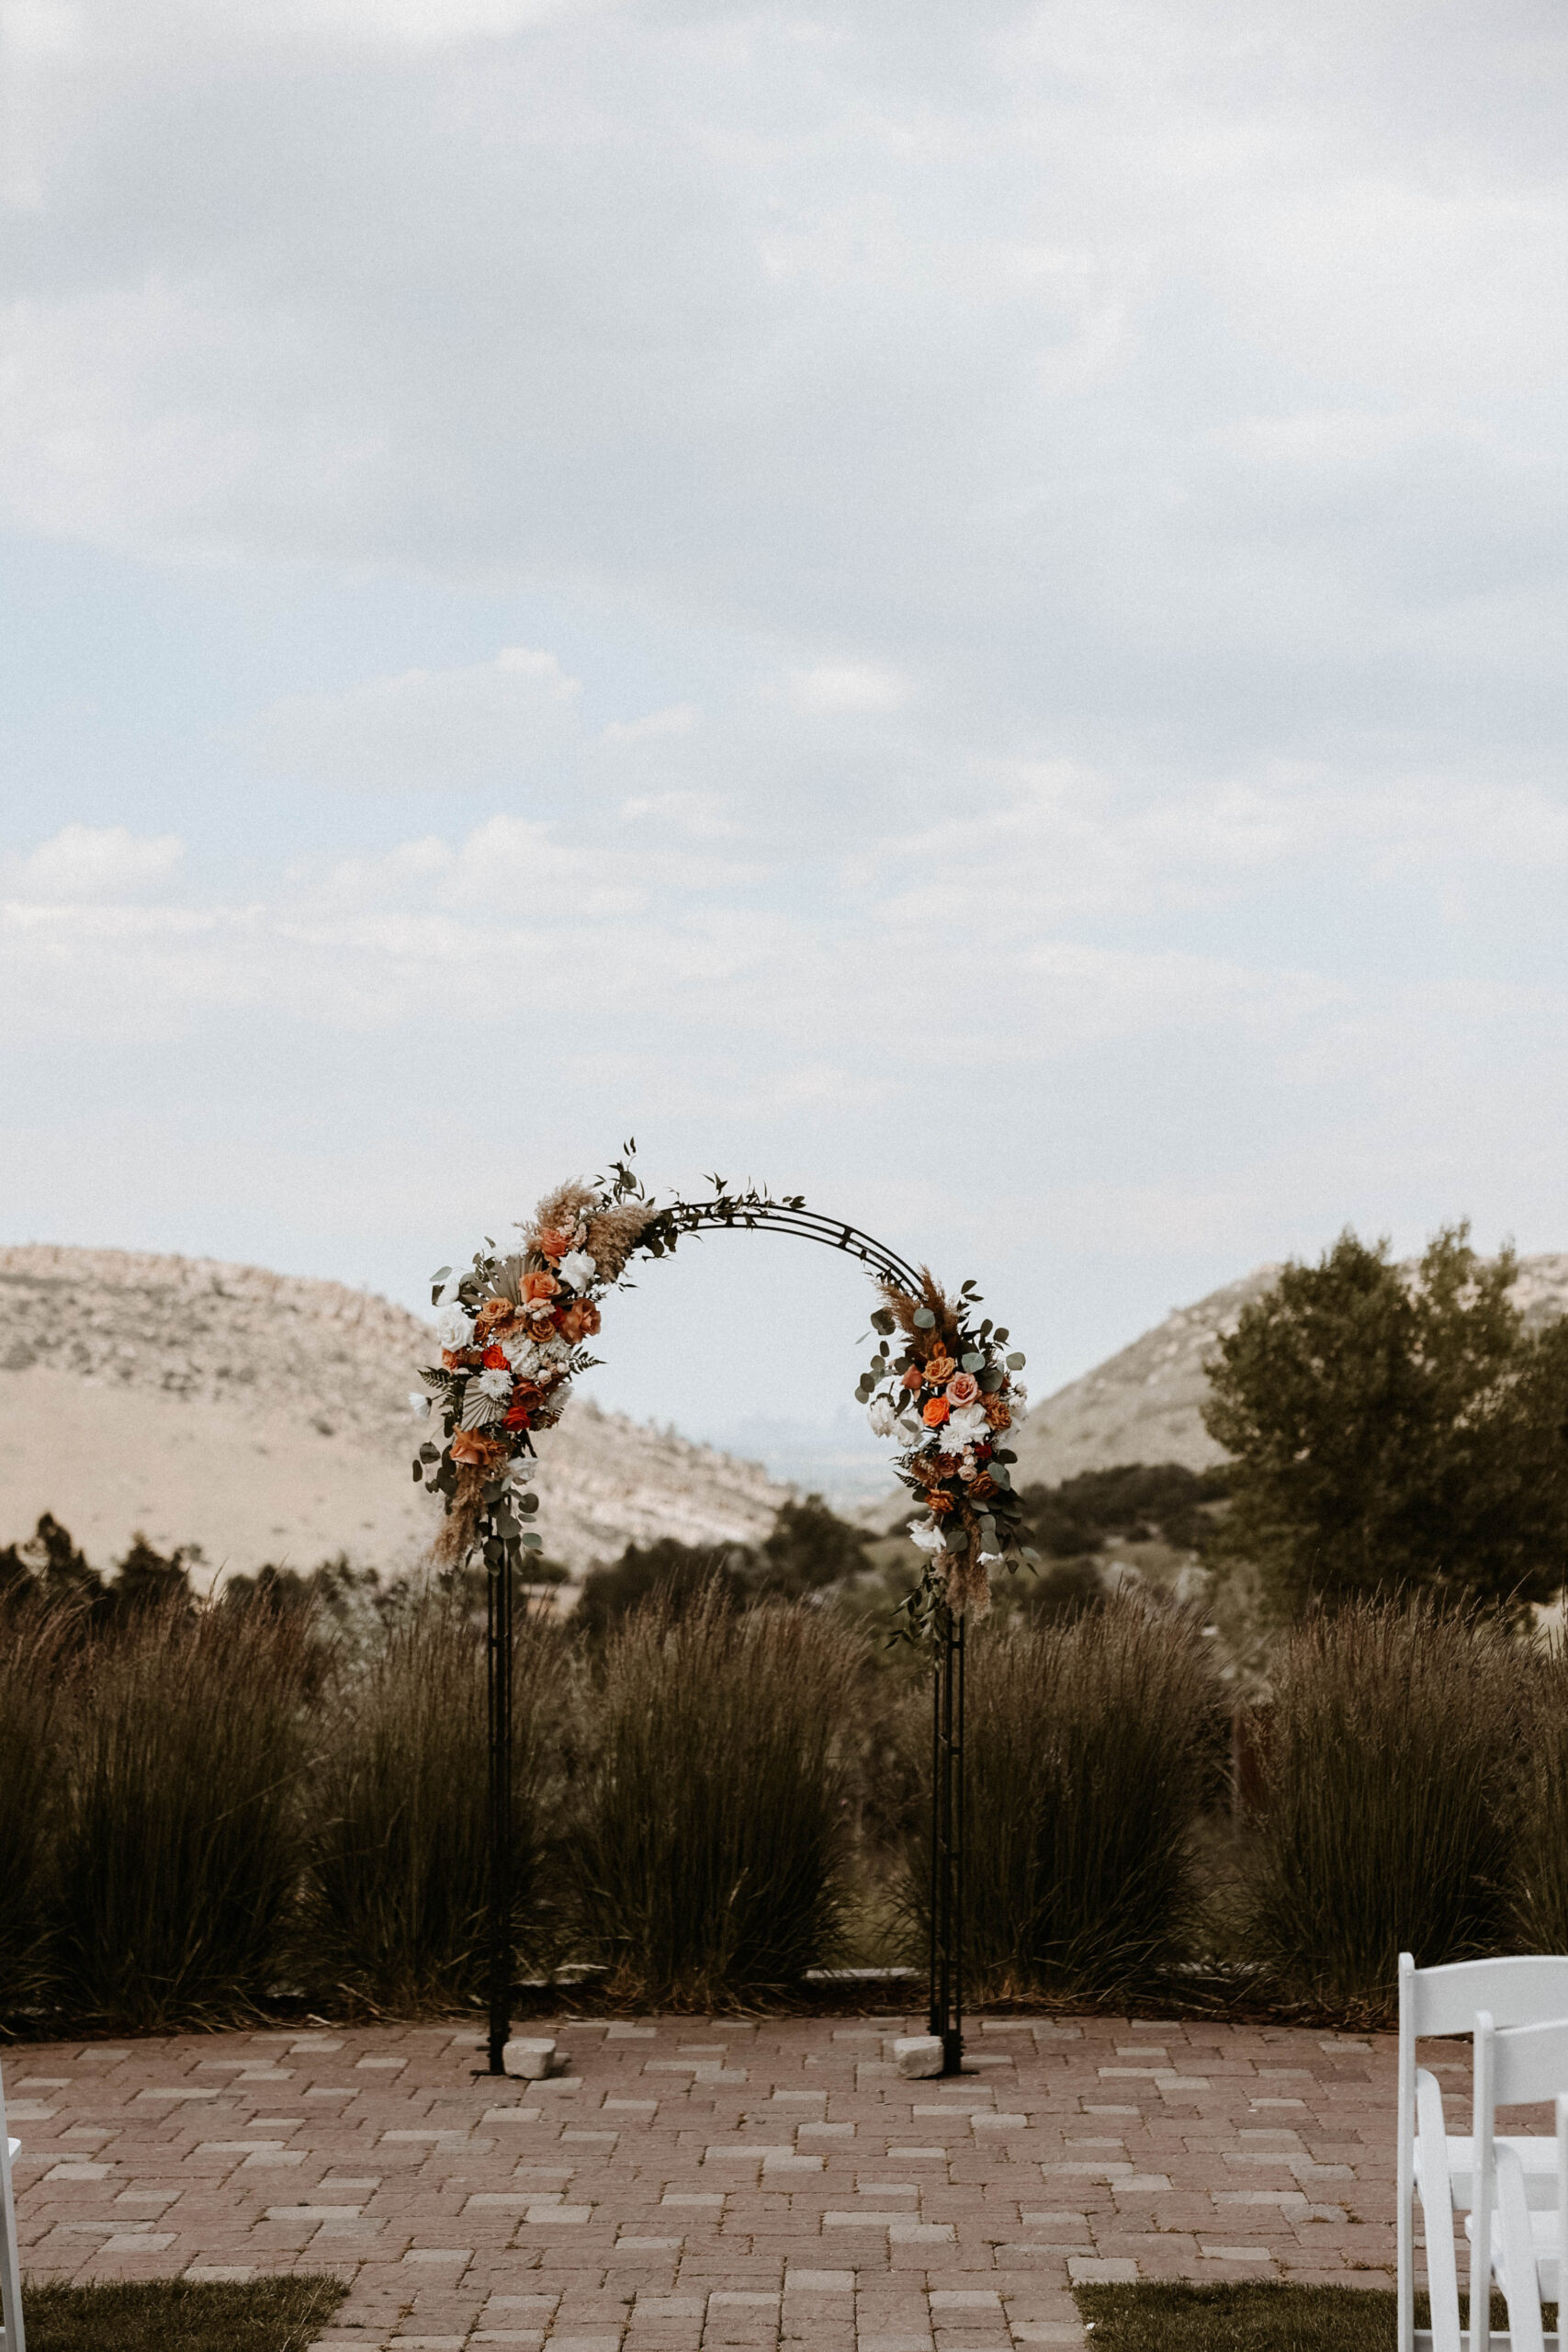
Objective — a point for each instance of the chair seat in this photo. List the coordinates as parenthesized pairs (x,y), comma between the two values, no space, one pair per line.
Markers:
(14,2146)
(1543,2238)
(1537,2155)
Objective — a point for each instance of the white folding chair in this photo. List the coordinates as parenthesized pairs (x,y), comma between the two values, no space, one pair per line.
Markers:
(1518,2243)
(13,2336)
(1436,2166)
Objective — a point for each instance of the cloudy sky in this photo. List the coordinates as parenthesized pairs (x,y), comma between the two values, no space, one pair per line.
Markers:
(955,605)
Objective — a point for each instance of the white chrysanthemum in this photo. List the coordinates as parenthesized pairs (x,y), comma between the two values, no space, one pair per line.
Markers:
(579,1269)
(883,1419)
(926,1534)
(418,1402)
(556,1351)
(496,1384)
(454,1328)
(1017,1396)
(520,1355)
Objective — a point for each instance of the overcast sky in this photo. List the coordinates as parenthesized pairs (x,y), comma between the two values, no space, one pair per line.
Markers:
(957,606)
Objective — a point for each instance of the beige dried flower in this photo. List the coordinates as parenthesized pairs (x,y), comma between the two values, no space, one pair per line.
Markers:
(614,1233)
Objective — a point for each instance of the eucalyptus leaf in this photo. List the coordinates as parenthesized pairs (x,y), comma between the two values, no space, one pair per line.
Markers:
(1016,1362)
(881,1320)
(924,1319)
(974,1361)
(532,1542)
(991,1380)
(418,1472)
(528,1503)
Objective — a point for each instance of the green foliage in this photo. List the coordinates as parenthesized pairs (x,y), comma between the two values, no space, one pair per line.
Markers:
(1088,1744)
(1389,1797)
(1389,1432)
(281,2314)
(1137,1502)
(808,1548)
(178,1853)
(711,1845)
(398,1876)
(1538,1891)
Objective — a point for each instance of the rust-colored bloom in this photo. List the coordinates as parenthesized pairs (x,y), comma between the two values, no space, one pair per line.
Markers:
(938,1504)
(914,1377)
(983,1486)
(473,1445)
(495,1315)
(524,1398)
(459,1359)
(963,1388)
(939,1369)
(580,1321)
(936,1411)
(495,1360)
(997,1411)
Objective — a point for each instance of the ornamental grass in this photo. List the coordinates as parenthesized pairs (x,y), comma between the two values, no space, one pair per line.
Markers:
(1389,1799)
(178,1843)
(1538,1891)
(1089,1747)
(33,1650)
(398,1879)
(713,1845)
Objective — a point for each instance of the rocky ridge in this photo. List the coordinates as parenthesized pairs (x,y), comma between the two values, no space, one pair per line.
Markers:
(266,1417)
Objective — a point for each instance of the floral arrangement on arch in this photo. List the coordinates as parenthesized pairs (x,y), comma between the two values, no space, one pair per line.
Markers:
(514,1330)
(949,1393)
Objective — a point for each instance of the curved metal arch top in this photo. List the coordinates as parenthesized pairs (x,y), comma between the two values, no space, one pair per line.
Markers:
(779,1217)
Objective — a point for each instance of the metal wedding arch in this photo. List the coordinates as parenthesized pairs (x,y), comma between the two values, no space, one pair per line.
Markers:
(946,1970)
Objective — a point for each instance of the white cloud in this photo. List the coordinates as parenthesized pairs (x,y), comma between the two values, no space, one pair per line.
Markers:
(428,729)
(91,862)
(830,688)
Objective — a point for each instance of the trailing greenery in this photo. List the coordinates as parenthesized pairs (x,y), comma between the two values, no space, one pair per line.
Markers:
(712,1848)
(1389,1804)
(1390,1431)
(279,2315)
(1088,1744)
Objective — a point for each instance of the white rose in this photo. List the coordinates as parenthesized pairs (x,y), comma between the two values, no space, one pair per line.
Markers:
(968,1425)
(454,1328)
(497,1383)
(447,1295)
(926,1534)
(883,1419)
(579,1269)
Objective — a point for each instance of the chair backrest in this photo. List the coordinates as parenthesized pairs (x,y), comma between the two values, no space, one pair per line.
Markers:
(1515,2066)
(1516,1992)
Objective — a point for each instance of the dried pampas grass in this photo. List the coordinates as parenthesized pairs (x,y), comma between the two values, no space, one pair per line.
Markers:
(614,1233)
(902,1305)
(560,1211)
(459,1530)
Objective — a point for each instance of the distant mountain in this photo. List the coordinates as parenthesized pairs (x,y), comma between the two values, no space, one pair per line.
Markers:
(266,1418)
(1146,1402)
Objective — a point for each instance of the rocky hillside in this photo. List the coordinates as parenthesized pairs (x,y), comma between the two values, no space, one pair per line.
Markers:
(266,1418)
(1145,1404)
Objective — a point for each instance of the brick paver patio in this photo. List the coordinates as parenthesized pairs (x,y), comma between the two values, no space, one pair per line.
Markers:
(692,2184)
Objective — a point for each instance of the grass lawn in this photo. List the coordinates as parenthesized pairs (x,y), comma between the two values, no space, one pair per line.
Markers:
(1256,2316)
(181,2315)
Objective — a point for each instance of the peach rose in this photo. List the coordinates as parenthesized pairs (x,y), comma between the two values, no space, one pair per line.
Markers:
(553,1245)
(537,1286)
(936,1411)
(495,1315)
(939,1369)
(456,1359)
(580,1322)
(963,1388)
(472,1445)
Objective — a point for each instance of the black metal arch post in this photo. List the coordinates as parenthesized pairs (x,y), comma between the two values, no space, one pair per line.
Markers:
(947,1689)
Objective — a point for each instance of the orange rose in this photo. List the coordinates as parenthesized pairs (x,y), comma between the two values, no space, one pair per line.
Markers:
(494,1316)
(913,1377)
(938,1505)
(983,1485)
(472,1445)
(939,1369)
(525,1397)
(495,1360)
(553,1245)
(963,1388)
(936,1412)
(537,1286)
